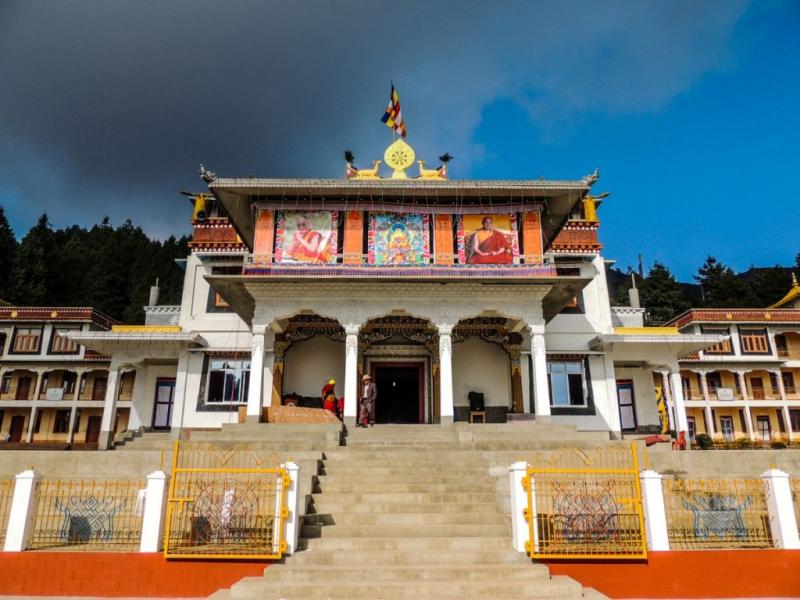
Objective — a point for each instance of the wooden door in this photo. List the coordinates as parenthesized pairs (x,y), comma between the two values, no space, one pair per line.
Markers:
(99,388)
(93,430)
(23,388)
(17,426)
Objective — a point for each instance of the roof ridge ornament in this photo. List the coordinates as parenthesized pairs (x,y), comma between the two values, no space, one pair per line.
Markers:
(399,155)
(591,179)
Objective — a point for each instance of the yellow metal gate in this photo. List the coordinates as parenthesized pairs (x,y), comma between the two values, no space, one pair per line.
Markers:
(585,504)
(225,503)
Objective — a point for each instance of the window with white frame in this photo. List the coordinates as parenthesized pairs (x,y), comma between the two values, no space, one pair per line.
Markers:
(228,380)
(726,428)
(567,384)
(690,421)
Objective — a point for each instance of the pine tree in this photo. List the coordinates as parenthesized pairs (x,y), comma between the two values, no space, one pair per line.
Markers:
(721,288)
(33,265)
(8,249)
(662,295)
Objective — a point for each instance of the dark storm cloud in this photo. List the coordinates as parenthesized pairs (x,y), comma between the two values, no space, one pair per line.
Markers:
(108,107)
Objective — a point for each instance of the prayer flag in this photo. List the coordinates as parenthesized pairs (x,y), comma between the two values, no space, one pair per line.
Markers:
(393,117)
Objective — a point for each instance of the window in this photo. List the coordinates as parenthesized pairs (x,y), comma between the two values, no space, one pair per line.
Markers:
(754,341)
(714,380)
(692,428)
(781,347)
(726,428)
(68,384)
(38,422)
(60,344)
(76,428)
(61,422)
(725,346)
(762,424)
(687,388)
(27,340)
(757,388)
(228,380)
(5,385)
(566,384)
(99,388)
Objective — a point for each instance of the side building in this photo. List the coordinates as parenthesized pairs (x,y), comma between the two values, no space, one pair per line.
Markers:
(746,386)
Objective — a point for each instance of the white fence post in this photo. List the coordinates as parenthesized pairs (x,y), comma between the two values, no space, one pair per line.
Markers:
(519,503)
(782,521)
(293,505)
(155,507)
(23,507)
(655,514)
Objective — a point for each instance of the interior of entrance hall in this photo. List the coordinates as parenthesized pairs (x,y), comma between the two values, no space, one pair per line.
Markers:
(399,393)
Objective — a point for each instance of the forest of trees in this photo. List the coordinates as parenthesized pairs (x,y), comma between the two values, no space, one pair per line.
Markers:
(112,269)
(108,268)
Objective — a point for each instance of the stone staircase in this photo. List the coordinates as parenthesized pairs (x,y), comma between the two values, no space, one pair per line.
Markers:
(410,512)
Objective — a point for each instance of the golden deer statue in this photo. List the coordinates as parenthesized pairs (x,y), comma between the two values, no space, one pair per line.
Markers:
(369,173)
(429,173)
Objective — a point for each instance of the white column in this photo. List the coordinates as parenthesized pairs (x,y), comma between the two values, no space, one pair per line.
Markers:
(106,440)
(78,378)
(782,520)
(655,514)
(446,403)
(20,515)
(260,372)
(781,389)
(155,510)
(31,425)
(351,373)
(711,428)
(520,530)
(37,389)
(138,399)
(609,409)
(787,420)
(293,506)
(70,432)
(681,424)
(180,399)
(748,418)
(541,390)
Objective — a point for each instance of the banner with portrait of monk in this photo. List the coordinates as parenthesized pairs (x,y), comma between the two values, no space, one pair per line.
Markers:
(399,239)
(488,239)
(306,237)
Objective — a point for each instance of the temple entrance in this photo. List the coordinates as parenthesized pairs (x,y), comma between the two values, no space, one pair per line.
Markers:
(400,392)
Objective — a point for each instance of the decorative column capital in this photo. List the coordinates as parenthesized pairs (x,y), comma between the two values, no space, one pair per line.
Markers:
(445,329)
(351,328)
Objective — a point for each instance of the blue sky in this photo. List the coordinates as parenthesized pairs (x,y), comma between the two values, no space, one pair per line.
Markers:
(688,108)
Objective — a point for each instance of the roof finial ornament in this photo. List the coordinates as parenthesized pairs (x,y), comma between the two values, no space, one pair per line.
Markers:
(206,175)
(590,180)
(794,280)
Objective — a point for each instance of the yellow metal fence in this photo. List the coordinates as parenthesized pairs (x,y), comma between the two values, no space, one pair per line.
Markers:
(585,504)
(6,492)
(87,515)
(225,503)
(716,513)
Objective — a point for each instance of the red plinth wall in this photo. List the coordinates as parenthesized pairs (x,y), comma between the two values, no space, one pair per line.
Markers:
(698,574)
(701,574)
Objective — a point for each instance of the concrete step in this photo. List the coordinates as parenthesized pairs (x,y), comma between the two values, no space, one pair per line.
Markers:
(419,572)
(466,520)
(465,485)
(410,473)
(262,587)
(409,544)
(388,558)
(321,505)
(428,530)
(355,497)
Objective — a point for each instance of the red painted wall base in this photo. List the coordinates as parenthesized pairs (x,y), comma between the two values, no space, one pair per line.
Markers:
(692,574)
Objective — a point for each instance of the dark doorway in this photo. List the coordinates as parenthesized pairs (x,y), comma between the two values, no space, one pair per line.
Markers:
(23,388)
(399,393)
(165,396)
(15,430)
(93,430)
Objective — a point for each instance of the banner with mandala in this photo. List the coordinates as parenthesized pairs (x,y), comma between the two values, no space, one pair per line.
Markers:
(487,239)
(307,237)
(399,239)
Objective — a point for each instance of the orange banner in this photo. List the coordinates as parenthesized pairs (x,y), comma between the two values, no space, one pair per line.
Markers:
(353,237)
(443,239)
(264,236)
(532,237)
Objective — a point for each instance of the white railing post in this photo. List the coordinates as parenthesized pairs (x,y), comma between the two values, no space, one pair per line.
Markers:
(519,504)
(155,508)
(655,514)
(782,521)
(23,508)
(293,505)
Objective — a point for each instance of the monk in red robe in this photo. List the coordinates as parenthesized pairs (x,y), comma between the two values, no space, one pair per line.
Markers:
(489,246)
(329,401)
(307,245)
